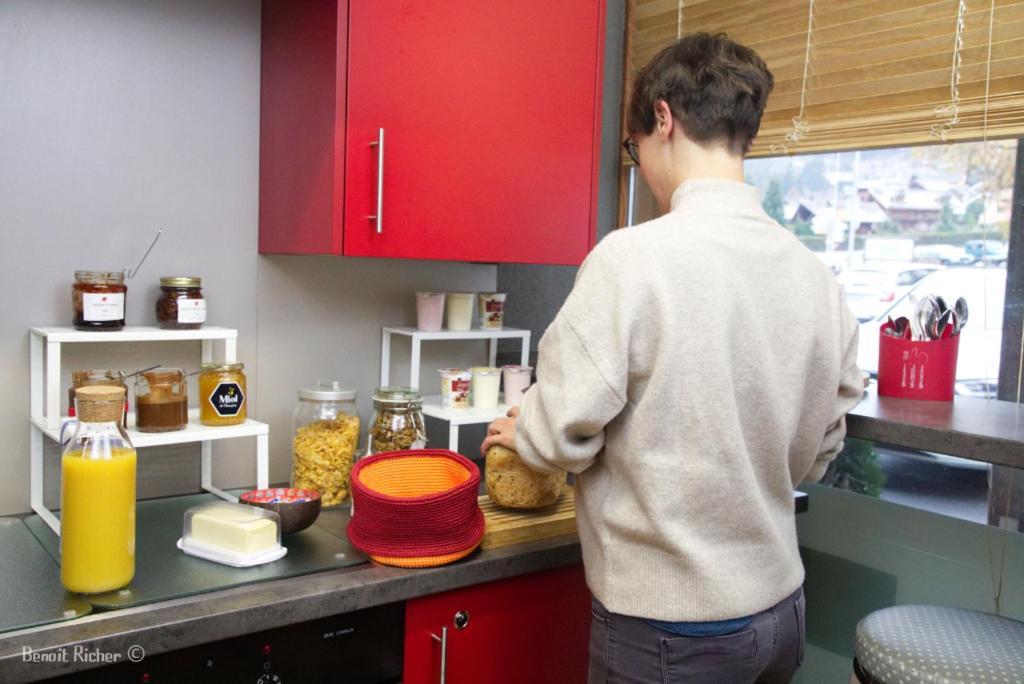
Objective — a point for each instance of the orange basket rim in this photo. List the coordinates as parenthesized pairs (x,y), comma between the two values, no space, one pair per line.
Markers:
(471,482)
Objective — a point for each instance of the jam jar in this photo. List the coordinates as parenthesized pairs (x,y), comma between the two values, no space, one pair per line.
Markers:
(98,300)
(222,394)
(181,305)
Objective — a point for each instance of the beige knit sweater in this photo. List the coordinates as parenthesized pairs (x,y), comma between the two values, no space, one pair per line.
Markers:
(700,369)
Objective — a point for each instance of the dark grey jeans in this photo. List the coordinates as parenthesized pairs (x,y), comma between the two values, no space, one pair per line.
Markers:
(625,649)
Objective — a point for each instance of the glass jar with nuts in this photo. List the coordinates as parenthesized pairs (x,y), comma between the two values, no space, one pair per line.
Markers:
(397,420)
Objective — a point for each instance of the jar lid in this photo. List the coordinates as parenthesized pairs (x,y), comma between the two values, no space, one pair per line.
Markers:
(517,369)
(181,281)
(222,367)
(327,391)
(100,393)
(485,370)
(397,397)
(100,277)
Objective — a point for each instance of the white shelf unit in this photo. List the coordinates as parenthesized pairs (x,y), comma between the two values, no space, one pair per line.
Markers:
(46,418)
(458,417)
(432,404)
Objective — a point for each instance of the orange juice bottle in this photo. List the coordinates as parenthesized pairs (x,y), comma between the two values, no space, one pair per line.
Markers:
(97,496)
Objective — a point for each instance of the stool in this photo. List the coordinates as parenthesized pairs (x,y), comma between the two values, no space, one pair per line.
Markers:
(917,644)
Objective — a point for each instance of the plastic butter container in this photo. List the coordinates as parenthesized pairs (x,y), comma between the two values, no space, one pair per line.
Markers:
(232,534)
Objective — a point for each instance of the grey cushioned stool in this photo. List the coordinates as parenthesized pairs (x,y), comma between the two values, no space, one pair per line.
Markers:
(916,644)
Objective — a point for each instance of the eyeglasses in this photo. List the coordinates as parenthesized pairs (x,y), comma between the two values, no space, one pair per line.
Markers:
(632,149)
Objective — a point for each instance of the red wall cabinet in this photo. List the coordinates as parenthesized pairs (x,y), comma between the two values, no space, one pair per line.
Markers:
(533,628)
(490,118)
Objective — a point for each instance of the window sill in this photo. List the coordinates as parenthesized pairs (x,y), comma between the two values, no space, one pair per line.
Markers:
(984,430)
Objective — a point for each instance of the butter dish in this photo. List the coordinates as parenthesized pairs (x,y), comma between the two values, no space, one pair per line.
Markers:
(232,534)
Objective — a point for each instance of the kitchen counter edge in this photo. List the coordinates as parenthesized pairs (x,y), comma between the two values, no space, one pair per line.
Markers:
(204,618)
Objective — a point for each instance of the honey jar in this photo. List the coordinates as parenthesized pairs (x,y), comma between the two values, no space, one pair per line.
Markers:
(222,399)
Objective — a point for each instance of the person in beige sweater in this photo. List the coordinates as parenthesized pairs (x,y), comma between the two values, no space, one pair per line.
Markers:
(700,369)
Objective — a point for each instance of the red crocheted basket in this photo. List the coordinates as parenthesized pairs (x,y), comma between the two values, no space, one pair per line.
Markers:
(415,504)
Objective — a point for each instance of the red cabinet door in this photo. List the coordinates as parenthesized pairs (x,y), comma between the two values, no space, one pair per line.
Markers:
(533,628)
(302,126)
(491,115)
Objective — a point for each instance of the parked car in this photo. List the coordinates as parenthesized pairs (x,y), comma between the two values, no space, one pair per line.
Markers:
(873,287)
(977,370)
(946,255)
(991,252)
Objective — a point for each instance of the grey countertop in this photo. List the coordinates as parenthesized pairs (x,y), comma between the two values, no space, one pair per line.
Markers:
(203,618)
(978,429)
(194,620)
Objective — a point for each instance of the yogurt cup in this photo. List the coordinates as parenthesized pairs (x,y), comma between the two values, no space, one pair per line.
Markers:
(460,311)
(486,386)
(491,306)
(429,311)
(455,386)
(517,381)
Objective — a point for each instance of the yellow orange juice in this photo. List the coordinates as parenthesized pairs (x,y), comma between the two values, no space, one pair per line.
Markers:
(97,511)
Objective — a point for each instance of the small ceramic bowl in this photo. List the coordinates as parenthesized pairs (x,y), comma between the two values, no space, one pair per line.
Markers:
(298,508)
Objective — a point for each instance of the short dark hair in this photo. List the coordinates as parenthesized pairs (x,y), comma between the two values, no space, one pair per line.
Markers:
(715,87)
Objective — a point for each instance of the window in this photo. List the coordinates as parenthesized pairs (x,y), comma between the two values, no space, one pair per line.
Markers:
(947,211)
(868,152)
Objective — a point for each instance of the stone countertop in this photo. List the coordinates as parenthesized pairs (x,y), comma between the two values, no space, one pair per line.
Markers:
(202,618)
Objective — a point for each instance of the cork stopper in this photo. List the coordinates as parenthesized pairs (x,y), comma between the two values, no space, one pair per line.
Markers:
(100,403)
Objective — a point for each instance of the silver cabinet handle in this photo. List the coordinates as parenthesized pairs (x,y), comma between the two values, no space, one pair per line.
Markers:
(379,216)
(444,651)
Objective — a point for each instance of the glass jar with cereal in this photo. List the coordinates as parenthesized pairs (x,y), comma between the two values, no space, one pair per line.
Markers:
(397,420)
(324,441)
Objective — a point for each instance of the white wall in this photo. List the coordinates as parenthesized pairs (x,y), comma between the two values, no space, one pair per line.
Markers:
(119,116)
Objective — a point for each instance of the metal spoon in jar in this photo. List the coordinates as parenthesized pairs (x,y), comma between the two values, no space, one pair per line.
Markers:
(960,308)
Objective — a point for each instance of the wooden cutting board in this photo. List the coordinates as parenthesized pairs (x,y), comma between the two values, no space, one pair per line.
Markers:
(505,526)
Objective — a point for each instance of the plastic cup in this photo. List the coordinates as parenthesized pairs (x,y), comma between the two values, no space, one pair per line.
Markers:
(455,385)
(492,310)
(460,311)
(486,386)
(517,381)
(429,311)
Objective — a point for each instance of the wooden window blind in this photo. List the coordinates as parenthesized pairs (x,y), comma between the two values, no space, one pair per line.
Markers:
(877,70)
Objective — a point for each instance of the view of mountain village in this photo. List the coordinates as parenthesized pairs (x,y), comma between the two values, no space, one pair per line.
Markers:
(939,196)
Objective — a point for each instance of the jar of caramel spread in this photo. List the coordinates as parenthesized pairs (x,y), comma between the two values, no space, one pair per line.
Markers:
(222,399)
(161,400)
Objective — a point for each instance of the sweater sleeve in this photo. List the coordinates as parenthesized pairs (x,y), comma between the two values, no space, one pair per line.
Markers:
(582,369)
(851,391)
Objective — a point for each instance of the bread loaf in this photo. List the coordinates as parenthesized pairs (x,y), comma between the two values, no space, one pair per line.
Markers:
(511,483)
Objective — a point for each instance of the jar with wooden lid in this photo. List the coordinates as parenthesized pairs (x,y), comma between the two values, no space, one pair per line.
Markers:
(181,305)
(97,495)
(98,300)
(161,400)
(222,394)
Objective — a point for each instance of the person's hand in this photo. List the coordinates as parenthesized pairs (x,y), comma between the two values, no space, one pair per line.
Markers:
(502,432)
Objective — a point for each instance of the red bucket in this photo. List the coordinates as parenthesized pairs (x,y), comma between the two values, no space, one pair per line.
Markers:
(917,369)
